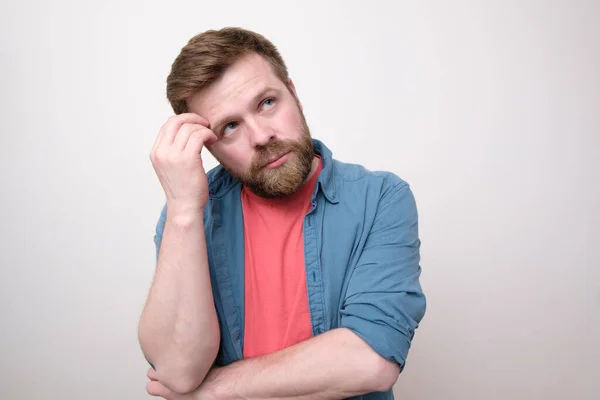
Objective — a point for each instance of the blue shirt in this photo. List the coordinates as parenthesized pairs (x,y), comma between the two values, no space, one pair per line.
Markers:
(361,249)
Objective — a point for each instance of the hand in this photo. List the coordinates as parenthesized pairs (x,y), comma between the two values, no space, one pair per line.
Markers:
(204,391)
(176,160)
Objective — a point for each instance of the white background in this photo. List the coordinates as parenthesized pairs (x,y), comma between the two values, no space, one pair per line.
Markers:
(489,109)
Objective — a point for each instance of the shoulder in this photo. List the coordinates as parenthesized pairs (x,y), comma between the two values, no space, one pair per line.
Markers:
(348,174)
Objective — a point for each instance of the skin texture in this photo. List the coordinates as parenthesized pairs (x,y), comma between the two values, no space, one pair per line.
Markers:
(334,365)
(257,118)
(253,124)
(178,330)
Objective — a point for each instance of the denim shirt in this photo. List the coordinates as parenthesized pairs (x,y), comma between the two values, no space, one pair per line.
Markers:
(361,250)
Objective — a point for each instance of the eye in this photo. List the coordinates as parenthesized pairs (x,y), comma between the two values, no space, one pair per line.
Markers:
(229,128)
(268,103)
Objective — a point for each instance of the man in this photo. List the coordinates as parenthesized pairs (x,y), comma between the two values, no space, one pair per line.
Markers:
(282,273)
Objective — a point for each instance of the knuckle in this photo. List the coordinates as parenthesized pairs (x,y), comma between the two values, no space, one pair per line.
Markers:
(186,126)
(195,134)
(160,156)
(173,158)
(199,130)
(172,121)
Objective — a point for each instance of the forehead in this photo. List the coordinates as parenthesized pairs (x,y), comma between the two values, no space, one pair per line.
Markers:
(237,86)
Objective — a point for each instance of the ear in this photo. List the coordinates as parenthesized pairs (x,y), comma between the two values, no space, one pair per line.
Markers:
(293,90)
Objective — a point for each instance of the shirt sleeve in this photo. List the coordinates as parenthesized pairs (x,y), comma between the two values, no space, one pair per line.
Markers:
(160,227)
(384,302)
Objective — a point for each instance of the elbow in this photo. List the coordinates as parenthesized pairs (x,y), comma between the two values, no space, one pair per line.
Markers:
(385,374)
(180,380)
(183,384)
(181,367)
(185,377)
(380,374)
(182,374)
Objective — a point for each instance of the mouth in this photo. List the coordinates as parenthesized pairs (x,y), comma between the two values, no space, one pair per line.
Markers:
(277,161)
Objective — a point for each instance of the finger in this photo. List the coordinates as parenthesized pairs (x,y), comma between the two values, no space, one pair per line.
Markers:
(152,374)
(155,388)
(199,139)
(184,134)
(174,123)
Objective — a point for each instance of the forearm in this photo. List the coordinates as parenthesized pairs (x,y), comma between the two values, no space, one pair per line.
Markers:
(334,365)
(178,330)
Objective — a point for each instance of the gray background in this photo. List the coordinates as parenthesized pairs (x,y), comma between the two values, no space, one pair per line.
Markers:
(489,109)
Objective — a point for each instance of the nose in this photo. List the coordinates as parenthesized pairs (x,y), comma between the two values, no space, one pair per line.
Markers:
(259,132)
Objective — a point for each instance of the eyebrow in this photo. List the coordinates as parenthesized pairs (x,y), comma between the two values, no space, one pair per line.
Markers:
(257,97)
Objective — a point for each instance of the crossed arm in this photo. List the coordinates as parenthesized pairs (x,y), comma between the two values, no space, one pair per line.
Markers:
(382,309)
(334,365)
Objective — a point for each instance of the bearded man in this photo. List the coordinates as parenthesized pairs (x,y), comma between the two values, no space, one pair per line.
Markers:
(281,273)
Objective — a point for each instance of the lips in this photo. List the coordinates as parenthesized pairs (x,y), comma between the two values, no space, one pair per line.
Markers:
(273,159)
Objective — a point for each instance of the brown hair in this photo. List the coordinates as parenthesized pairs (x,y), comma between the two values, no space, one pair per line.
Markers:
(206,56)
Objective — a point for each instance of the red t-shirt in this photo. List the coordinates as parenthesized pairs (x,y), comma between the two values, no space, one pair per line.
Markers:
(276,304)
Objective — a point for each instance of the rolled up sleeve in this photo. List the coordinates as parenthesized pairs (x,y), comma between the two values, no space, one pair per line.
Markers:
(384,302)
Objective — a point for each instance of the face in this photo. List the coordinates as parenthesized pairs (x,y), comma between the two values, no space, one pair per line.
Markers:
(263,138)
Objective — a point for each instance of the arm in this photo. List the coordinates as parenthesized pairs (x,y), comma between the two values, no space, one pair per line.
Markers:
(178,329)
(384,304)
(334,365)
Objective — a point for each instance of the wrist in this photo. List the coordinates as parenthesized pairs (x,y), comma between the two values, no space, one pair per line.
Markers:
(185,217)
(184,211)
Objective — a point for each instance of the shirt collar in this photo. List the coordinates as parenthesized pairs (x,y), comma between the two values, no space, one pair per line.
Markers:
(325,182)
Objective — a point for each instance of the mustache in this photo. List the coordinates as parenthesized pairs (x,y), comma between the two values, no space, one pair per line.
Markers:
(272,151)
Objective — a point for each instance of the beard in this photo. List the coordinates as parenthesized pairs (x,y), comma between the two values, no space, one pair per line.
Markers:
(285,179)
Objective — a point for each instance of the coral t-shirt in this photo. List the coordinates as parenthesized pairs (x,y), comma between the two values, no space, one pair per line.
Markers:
(276,312)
